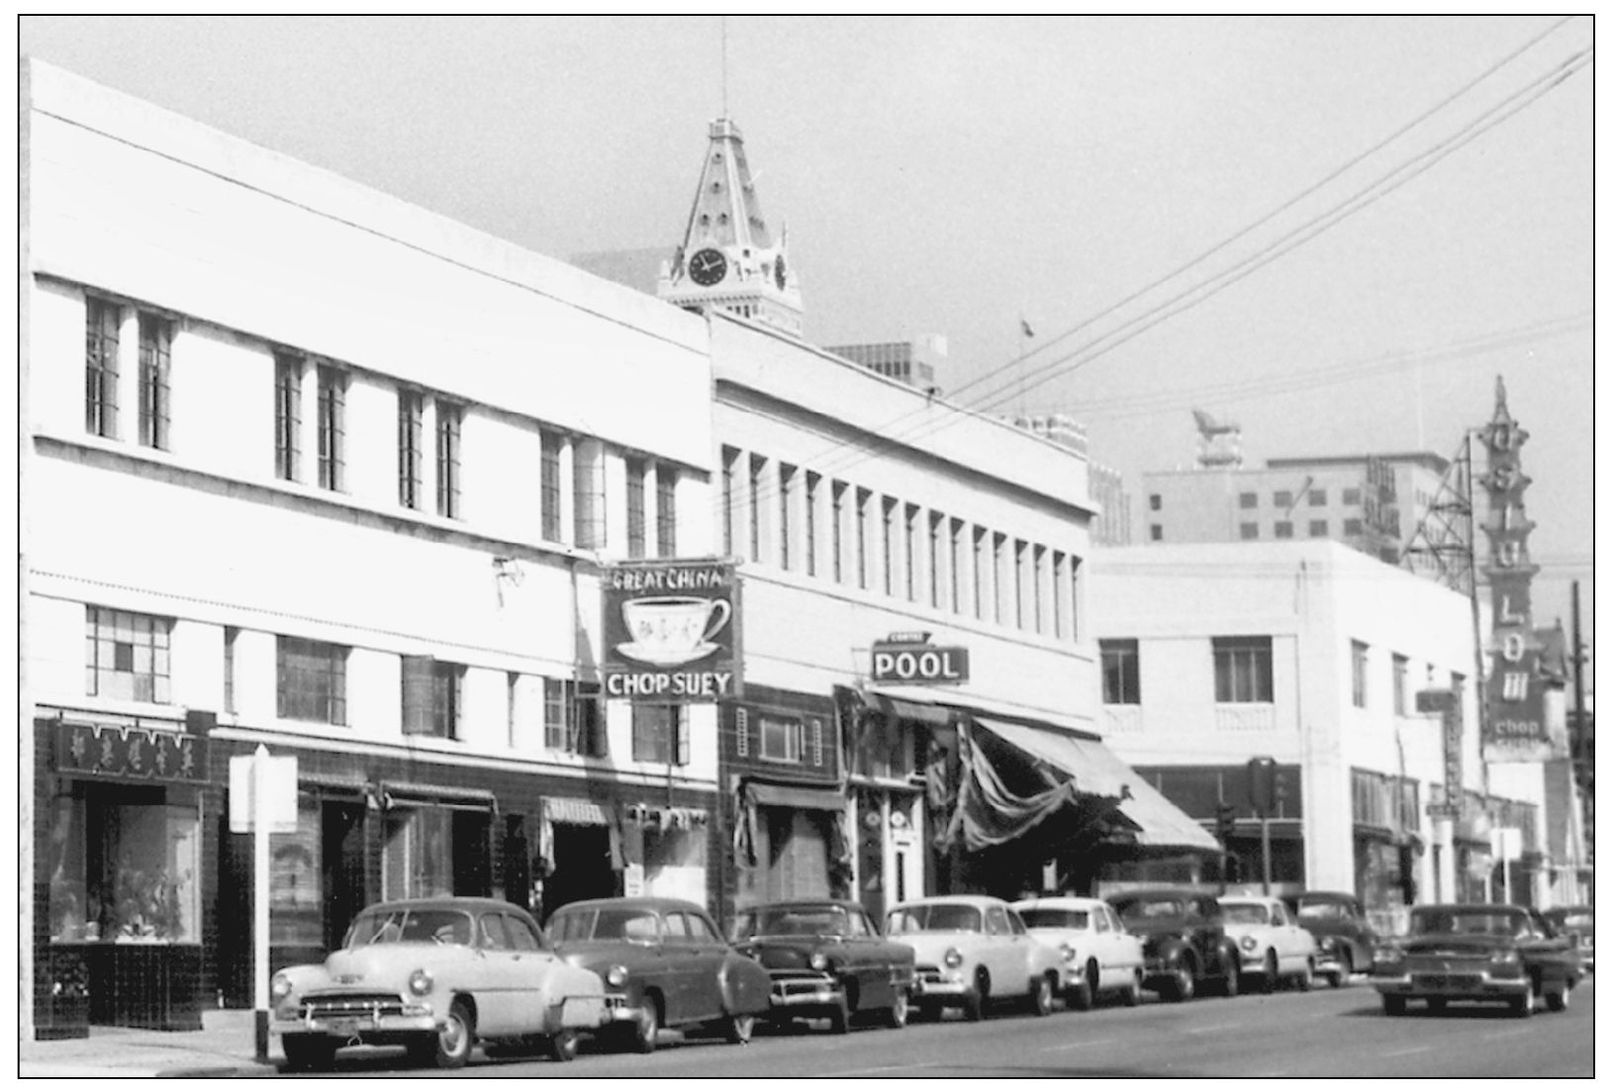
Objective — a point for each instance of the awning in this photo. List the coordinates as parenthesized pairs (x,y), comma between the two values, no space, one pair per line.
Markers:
(919,711)
(403,794)
(803,799)
(940,707)
(1097,771)
(575,812)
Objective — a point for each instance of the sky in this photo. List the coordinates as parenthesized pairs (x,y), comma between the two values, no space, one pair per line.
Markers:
(1337,232)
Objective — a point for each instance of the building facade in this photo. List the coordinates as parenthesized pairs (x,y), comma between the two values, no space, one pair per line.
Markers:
(1315,657)
(306,467)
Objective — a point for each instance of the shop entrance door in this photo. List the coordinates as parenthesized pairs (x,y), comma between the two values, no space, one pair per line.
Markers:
(798,855)
(342,867)
(582,867)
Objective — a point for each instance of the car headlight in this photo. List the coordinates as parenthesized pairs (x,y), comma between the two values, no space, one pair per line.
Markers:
(1507,956)
(279,987)
(1067,952)
(616,976)
(954,958)
(420,982)
(1247,942)
(1386,956)
(817,961)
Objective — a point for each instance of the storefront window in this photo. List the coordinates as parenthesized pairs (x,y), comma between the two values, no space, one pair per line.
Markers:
(125,865)
(675,863)
(418,859)
(294,881)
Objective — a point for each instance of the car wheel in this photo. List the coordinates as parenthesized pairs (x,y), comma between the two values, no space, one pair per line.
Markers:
(896,1016)
(1336,978)
(453,1046)
(562,1045)
(1558,999)
(308,1052)
(646,1026)
(975,999)
(1230,980)
(1395,1005)
(1042,996)
(1134,991)
(1522,1006)
(1269,973)
(840,1018)
(1347,963)
(1305,977)
(1081,996)
(1181,985)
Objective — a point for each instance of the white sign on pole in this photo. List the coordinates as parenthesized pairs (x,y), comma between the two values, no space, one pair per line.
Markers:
(280,776)
(1507,843)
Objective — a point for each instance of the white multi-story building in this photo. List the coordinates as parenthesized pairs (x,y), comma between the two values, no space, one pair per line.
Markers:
(306,467)
(1313,655)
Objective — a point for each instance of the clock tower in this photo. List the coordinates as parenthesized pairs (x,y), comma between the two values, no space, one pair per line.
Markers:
(728,258)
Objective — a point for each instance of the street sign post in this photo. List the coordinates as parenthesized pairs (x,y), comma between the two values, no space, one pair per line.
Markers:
(263,800)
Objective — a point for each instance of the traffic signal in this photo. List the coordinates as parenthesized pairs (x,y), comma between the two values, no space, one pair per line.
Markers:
(1224,822)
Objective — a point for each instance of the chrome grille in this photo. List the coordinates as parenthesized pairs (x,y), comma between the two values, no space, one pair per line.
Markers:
(350,1004)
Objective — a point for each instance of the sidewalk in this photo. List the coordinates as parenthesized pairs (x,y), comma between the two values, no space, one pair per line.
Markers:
(223,1047)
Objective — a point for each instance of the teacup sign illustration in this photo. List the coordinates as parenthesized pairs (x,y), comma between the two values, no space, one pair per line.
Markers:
(672,629)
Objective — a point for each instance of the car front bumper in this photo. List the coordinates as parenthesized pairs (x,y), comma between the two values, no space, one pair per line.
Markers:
(940,986)
(1454,985)
(358,1025)
(797,993)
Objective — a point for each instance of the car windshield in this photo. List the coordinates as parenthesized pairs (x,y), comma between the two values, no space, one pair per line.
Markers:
(1144,910)
(634,925)
(1468,922)
(1049,917)
(1322,911)
(934,918)
(825,920)
(1237,913)
(409,926)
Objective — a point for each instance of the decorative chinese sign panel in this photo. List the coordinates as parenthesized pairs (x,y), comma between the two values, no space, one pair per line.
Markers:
(130,753)
(670,631)
(1516,728)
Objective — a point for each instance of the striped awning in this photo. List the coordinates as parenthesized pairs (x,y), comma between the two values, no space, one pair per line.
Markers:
(572,811)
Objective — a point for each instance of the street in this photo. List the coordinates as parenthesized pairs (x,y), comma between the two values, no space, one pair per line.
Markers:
(1324,1033)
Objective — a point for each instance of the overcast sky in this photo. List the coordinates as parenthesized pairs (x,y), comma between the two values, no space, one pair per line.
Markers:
(1420,190)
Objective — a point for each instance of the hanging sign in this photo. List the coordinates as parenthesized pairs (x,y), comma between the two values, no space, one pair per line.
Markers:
(670,631)
(904,660)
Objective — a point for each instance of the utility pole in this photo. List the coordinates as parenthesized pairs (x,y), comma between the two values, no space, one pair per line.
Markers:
(1577,742)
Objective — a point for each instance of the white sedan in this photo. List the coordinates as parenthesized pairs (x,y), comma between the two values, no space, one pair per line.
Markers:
(1100,956)
(1272,946)
(971,950)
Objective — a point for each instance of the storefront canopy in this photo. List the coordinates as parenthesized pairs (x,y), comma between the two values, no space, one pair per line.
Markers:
(1095,770)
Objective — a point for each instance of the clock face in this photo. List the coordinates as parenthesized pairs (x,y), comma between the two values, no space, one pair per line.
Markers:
(707,267)
(779,271)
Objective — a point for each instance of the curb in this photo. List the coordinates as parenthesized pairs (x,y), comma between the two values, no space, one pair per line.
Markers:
(205,1072)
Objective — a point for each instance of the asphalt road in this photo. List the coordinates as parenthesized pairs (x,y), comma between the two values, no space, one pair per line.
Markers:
(1323,1033)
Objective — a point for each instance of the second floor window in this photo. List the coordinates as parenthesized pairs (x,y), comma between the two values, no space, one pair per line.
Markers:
(666,511)
(155,336)
(449,417)
(574,722)
(1358,674)
(1122,683)
(288,415)
(332,427)
(411,415)
(311,680)
(101,319)
(787,489)
(636,473)
(1398,684)
(782,739)
(127,655)
(660,734)
(1243,669)
(432,697)
(549,486)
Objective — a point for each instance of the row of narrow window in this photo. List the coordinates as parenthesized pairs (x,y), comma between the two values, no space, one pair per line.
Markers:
(104,321)
(1032,587)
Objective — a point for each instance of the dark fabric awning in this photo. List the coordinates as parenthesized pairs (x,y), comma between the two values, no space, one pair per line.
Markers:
(1093,769)
(400,793)
(804,799)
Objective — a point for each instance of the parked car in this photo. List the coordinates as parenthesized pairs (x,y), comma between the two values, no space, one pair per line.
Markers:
(1345,939)
(1575,922)
(1100,956)
(435,975)
(972,950)
(1272,947)
(827,961)
(1476,952)
(664,964)
(1186,950)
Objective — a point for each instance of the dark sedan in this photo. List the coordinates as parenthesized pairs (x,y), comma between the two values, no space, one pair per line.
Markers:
(664,964)
(1186,950)
(827,961)
(1504,954)
(1344,938)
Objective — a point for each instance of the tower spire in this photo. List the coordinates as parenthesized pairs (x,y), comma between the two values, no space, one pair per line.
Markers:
(728,258)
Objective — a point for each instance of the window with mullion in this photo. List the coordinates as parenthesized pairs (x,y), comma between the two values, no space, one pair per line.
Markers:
(311,680)
(636,536)
(410,422)
(126,655)
(101,367)
(1121,673)
(659,735)
(288,415)
(666,511)
(332,427)
(1243,669)
(449,418)
(558,714)
(549,486)
(156,335)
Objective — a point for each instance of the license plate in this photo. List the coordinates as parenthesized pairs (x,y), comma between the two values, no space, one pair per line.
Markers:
(343,1026)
